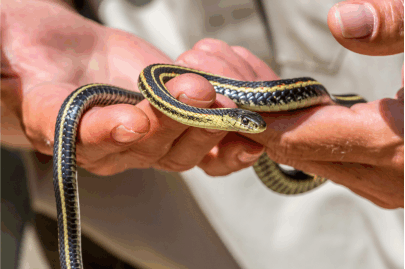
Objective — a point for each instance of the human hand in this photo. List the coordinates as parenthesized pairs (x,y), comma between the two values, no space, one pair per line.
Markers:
(49,51)
(361,147)
(371,27)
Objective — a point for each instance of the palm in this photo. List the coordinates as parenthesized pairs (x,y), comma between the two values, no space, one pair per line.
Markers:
(78,53)
(47,59)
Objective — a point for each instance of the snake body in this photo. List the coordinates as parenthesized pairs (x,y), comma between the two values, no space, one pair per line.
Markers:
(280,95)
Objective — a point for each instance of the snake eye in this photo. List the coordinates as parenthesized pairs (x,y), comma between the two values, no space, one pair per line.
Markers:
(245,121)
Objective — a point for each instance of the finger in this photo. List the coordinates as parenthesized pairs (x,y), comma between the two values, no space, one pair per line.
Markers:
(164,131)
(191,147)
(154,141)
(106,130)
(207,62)
(382,185)
(370,27)
(40,107)
(225,52)
(261,69)
(96,129)
(232,154)
(366,133)
(182,154)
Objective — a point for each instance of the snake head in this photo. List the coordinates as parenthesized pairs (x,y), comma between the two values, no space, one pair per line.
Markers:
(245,121)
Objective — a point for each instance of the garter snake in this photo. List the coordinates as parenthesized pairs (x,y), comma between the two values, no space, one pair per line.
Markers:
(267,96)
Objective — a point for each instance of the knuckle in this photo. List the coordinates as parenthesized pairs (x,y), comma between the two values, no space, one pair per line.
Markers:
(210,44)
(241,50)
(191,56)
(390,28)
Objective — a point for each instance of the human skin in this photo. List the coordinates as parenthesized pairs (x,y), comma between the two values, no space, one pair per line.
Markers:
(361,147)
(48,51)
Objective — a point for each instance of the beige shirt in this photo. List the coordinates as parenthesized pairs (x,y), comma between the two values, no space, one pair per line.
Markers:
(191,220)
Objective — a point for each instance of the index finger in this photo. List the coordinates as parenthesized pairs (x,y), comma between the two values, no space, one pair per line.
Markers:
(164,130)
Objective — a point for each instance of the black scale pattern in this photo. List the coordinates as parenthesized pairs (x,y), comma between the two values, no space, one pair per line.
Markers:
(258,98)
(164,95)
(97,95)
(272,98)
(348,103)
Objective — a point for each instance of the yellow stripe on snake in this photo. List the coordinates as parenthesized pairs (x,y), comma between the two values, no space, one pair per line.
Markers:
(266,96)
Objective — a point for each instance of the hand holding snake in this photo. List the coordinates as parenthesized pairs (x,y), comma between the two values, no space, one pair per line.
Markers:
(351,144)
(371,166)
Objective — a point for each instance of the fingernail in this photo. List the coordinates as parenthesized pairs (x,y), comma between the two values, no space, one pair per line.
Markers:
(123,135)
(192,100)
(355,21)
(248,157)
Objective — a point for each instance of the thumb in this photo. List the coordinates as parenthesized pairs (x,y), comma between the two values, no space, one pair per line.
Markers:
(371,27)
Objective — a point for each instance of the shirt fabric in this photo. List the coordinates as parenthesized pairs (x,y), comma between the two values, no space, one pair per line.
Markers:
(191,220)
